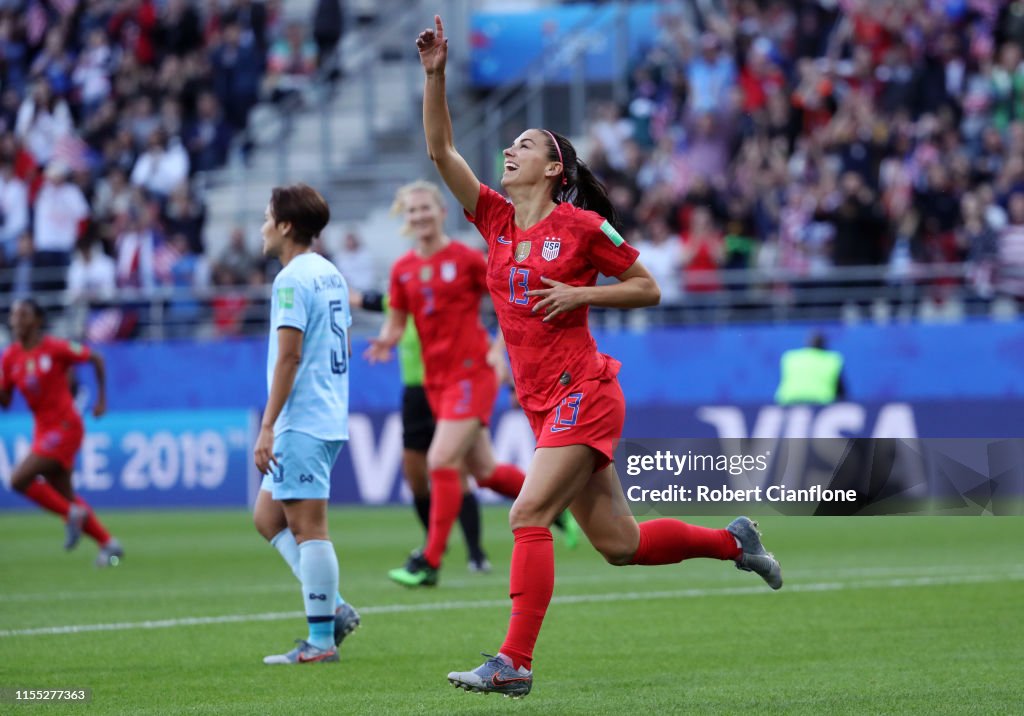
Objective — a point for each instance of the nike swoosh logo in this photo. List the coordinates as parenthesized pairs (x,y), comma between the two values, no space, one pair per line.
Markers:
(319,657)
(505,682)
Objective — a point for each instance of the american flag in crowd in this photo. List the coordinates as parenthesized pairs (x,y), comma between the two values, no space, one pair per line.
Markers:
(72,151)
(103,325)
(164,258)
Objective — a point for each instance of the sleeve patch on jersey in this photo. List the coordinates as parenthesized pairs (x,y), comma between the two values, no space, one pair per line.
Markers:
(75,347)
(611,233)
(286,297)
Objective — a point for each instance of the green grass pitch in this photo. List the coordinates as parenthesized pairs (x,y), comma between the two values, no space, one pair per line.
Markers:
(878,615)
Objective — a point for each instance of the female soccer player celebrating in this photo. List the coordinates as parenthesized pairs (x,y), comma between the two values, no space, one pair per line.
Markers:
(38,365)
(440,283)
(547,243)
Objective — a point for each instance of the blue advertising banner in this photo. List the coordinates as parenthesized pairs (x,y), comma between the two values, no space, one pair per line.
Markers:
(726,365)
(148,459)
(506,43)
(204,457)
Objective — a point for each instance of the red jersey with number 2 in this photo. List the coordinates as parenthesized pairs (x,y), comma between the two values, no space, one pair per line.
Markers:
(41,374)
(570,245)
(443,292)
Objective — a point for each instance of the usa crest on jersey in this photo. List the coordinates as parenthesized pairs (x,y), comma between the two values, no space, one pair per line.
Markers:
(448,271)
(551,249)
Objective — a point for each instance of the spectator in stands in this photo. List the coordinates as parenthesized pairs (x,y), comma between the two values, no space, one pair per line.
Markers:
(980,242)
(92,276)
(136,248)
(60,214)
(661,252)
(54,63)
(712,76)
(134,25)
(257,309)
(1011,249)
(291,65)
(237,70)
(144,120)
(208,136)
(113,195)
(91,76)
(703,252)
(23,275)
(356,263)
(236,261)
(43,118)
(188,273)
(229,303)
(184,214)
(328,27)
(609,134)
(856,221)
(13,209)
(180,28)
(162,167)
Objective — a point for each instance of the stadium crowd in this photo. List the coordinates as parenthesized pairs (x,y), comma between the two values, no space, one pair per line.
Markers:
(796,136)
(112,115)
(805,136)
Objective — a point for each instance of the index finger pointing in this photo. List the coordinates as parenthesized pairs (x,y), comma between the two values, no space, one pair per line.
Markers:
(439,26)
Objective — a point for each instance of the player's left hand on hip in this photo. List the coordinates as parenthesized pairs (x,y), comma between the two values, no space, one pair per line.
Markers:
(560,298)
(263,453)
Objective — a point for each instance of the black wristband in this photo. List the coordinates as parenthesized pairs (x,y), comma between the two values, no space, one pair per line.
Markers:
(373,301)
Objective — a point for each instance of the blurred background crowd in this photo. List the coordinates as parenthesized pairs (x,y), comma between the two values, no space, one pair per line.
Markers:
(114,116)
(787,140)
(816,135)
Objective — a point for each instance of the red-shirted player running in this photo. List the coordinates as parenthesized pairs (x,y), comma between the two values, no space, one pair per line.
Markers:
(440,283)
(547,245)
(38,365)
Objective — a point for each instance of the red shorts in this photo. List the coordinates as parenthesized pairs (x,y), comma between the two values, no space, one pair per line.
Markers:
(59,442)
(592,414)
(471,397)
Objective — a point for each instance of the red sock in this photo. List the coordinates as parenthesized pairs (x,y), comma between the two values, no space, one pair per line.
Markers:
(668,541)
(92,526)
(42,493)
(445,503)
(506,480)
(531,582)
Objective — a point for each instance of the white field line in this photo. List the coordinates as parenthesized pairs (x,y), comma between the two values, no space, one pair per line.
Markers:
(494,603)
(638,575)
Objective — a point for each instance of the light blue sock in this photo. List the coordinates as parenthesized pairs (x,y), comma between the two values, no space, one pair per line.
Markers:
(318,567)
(284,542)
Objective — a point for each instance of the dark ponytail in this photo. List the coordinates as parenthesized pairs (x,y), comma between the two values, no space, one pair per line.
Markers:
(578,185)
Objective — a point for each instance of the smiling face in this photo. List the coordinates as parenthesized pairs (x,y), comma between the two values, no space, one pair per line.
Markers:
(527,160)
(273,233)
(424,215)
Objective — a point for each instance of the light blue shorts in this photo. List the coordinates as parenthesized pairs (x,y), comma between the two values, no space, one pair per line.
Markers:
(303,469)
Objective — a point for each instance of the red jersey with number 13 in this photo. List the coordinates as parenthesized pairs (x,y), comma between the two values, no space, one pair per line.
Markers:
(41,374)
(570,245)
(443,292)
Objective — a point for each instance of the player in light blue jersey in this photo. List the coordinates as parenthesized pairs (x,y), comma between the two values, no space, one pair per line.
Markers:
(305,422)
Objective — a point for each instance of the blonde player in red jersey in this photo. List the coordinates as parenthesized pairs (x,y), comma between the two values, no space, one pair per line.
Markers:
(440,283)
(547,243)
(38,366)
